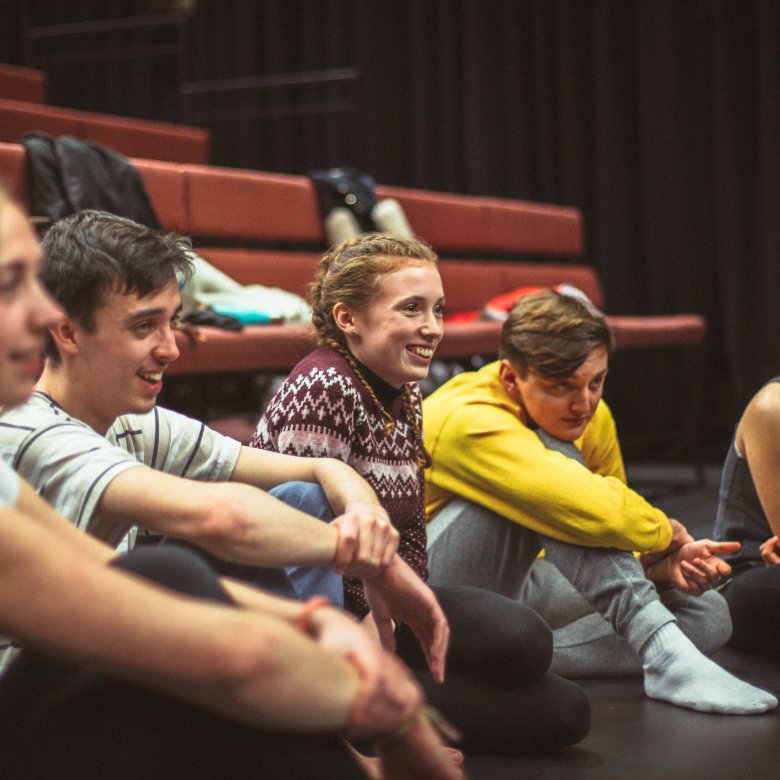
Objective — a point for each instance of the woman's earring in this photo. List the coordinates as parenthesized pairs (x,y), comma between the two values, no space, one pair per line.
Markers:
(353,332)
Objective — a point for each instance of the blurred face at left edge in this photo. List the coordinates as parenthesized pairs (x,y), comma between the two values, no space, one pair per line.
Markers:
(26,310)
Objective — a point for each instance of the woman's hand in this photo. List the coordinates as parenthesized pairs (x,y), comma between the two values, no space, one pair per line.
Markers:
(398,595)
(770,551)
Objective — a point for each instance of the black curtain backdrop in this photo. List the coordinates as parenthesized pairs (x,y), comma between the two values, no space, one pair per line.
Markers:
(658,118)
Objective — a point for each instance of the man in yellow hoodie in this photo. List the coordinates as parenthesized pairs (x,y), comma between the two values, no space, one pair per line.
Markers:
(526,457)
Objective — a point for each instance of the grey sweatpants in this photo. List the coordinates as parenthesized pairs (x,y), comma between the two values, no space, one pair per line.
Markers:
(597,601)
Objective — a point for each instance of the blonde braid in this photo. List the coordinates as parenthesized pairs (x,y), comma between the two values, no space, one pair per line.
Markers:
(423,457)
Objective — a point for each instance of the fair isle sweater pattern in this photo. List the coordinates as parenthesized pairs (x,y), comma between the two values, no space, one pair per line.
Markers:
(323,410)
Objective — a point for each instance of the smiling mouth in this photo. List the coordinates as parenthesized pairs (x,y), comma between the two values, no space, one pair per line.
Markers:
(425,352)
(154,376)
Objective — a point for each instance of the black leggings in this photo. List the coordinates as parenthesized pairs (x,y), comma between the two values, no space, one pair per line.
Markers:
(59,720)
(754,601)
(498,690)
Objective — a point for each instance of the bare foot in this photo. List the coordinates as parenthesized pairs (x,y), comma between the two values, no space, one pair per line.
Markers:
(420,755)
(373,766)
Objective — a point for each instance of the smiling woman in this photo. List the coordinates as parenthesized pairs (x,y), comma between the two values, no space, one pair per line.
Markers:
(378,305)
(401,330)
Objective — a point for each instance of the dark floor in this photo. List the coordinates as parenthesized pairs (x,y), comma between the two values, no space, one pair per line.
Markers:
(635,737)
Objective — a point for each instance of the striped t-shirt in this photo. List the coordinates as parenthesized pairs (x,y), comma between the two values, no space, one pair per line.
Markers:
(70,464)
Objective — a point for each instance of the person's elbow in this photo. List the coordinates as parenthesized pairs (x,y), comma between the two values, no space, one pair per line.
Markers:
(637,535)
(218,516)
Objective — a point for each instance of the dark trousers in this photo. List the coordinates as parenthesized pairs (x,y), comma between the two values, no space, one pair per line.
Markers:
(58,720)
(754,601)
(498,691)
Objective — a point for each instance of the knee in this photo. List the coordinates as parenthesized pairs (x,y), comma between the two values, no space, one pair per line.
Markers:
(309,497)
(506,640)
(531,637)
(752,596)
(175,567)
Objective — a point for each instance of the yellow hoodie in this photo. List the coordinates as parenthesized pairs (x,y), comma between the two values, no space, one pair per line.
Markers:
(482,452)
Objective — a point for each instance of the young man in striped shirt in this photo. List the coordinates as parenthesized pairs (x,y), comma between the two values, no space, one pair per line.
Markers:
(93,443)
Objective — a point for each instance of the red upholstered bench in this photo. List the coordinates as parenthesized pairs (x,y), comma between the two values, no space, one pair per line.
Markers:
(274,226)
(19,83)
(13,172)
(18,117)
(266,228)
(132,137)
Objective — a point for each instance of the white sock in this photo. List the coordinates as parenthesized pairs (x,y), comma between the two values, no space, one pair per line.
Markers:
(675,671)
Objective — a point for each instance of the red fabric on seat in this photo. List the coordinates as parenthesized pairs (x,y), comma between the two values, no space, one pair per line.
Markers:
(164,183)
(20,83)
(128,136)
(147,139)
(18,118)
(292,271)
(255,348)
(448,222)
(13,172)
(657,331)
(251,205)
(532,228)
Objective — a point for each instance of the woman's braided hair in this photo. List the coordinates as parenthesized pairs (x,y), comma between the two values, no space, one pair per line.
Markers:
(350,273)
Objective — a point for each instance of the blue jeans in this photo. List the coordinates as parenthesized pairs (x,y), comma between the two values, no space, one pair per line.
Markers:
(294,582)
(308,581)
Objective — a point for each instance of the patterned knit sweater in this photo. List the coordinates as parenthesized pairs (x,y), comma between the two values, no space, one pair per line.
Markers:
(323,410)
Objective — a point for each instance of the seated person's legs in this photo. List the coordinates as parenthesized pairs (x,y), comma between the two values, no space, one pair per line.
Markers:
(704,620)
(585,645)
(96,725)
(470,545)
(674,670)
(499,655)
(296,582)
(754,600)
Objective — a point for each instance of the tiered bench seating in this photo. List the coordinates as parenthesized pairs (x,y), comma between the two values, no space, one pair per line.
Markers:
(266,228)
(23,110)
